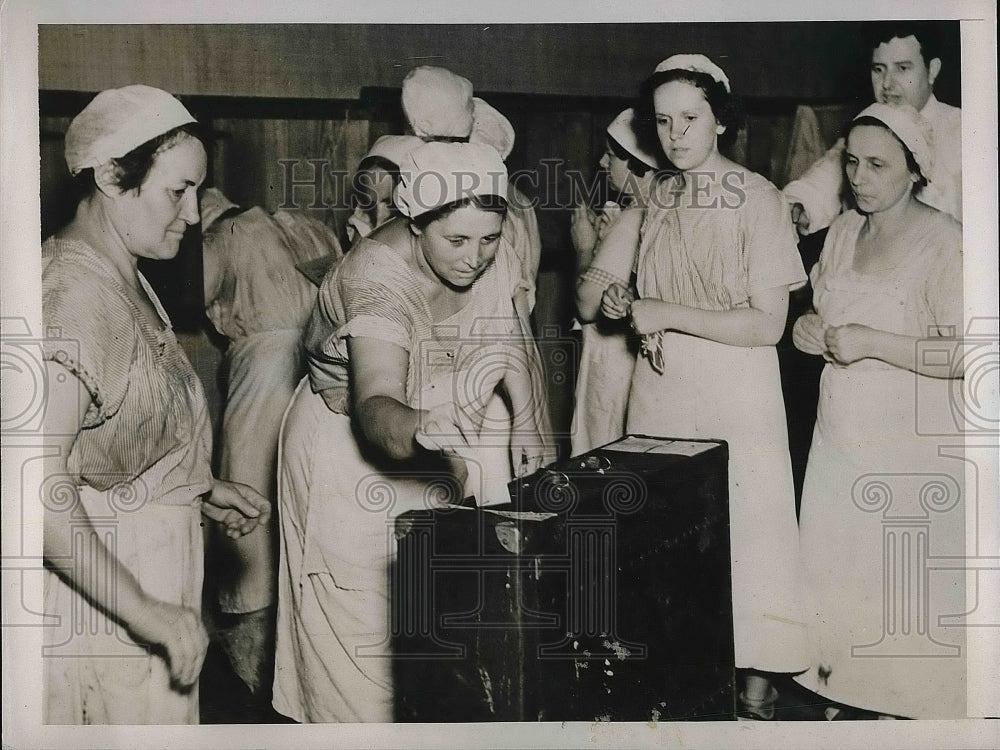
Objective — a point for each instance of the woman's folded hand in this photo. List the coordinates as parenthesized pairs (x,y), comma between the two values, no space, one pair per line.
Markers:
(179,631)
(616,301)
(809,334)
(849,343)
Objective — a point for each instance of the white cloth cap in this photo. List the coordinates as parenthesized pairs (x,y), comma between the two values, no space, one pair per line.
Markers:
(213,204)
(911,128)
(437,103)
(622,130)
(489,126)
(117,121)
(437,174)
(393,148)
(697,64)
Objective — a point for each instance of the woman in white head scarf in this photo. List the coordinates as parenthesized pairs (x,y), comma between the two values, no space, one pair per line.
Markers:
(717,257)
(130,475)
(881,493)
(411,336)
(439,106)
(608,355)
(374,182)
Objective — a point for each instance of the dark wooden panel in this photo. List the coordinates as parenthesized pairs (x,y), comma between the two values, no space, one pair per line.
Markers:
(811,61)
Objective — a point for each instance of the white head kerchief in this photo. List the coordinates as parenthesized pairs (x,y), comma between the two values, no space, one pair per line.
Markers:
(393,148)
(911,128)
(436,174)
(622,130)
(437,103)
(489,126)
(697,64)
(213,204)
(117,121)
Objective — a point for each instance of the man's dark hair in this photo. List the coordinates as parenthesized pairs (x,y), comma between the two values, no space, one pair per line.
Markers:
(927,34)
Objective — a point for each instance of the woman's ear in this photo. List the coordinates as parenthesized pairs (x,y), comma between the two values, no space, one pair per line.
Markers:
(719,128)
(106,178)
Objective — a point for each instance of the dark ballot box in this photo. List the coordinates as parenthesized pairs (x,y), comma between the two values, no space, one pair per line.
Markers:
(600,592)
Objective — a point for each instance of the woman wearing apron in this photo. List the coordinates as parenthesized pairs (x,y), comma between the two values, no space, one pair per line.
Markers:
(411,336)
(880,498)
(717,257)
(128,476)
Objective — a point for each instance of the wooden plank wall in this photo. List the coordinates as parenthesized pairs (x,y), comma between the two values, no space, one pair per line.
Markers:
(781,60)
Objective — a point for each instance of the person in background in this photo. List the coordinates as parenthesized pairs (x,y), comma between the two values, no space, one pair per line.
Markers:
(490,127)
(717,256)
(255,297)
(379,419)
(129,467)
(889,277)
(439,106)
(904,66)
(374,181)
(608,356)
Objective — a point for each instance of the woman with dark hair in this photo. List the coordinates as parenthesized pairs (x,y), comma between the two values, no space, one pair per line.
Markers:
(129,476)
(881,494)
(716,259)
(411,337)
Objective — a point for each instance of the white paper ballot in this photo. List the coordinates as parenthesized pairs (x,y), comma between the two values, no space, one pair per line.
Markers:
(524,515)
(635,444)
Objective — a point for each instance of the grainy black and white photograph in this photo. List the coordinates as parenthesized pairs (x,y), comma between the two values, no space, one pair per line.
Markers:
(484,379)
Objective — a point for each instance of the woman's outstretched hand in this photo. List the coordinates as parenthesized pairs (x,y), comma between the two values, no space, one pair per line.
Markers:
(238,507)
(438,432)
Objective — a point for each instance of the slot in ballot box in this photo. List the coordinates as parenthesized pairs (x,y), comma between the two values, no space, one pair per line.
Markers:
(601,591)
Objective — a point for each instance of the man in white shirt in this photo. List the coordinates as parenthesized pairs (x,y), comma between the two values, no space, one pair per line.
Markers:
(904,67)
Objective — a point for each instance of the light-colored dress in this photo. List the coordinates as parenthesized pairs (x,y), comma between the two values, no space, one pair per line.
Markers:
(338,498)
(604,377)
(714,258)
(883,500)
(261,305)
(141,462)
(521,230)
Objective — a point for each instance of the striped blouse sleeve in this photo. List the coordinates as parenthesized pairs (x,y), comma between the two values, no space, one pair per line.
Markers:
(379,297)
(90,331)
